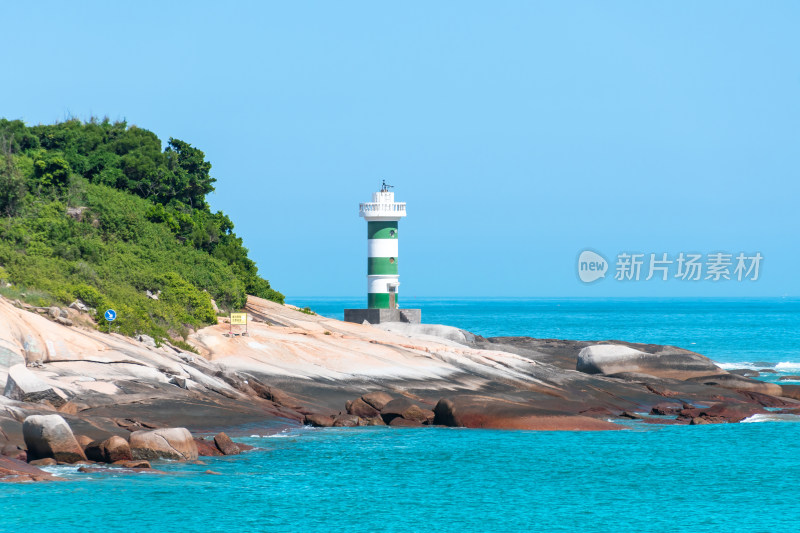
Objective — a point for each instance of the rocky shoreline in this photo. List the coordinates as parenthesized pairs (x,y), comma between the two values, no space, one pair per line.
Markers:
(111,393)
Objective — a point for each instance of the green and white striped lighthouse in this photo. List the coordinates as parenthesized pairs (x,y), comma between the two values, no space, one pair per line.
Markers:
(382,215)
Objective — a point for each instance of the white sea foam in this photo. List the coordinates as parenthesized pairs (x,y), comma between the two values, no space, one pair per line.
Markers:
(771,417)
(737,366)
(791,366)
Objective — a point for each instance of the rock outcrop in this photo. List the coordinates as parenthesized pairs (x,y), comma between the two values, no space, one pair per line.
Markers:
(24,386)
(15,470)
(490,413)
(226,445)
(110,450)
(166,443)
(667,362)
(50,436)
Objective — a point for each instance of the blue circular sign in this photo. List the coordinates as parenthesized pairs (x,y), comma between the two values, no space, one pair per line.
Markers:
(110,315)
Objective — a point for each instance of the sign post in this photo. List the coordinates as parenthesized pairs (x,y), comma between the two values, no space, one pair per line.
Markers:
(238,319)
(110,316)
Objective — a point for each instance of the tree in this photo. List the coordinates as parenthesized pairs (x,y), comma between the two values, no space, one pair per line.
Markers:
(191,180)
(12,183)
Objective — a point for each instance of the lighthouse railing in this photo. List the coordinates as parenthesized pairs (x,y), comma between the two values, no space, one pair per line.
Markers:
(378,208)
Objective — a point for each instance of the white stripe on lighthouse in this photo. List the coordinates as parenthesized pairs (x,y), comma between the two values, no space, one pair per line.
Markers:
(377,284)
(382,247)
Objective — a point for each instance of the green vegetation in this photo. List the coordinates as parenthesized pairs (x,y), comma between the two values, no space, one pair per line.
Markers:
(97,211)
(307,310)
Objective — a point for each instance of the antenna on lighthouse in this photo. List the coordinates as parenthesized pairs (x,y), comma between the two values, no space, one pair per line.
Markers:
(385,187)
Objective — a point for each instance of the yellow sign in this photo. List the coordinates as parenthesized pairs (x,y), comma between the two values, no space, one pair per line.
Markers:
(238,319)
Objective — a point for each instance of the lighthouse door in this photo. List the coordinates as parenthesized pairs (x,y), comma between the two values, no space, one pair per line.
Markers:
(392,302)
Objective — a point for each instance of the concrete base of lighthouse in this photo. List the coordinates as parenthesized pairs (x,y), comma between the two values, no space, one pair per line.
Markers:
(380,316)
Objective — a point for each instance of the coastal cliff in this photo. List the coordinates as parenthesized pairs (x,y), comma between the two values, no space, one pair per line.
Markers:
(293,367)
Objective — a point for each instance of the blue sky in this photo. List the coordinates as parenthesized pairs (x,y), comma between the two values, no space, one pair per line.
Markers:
(519,133)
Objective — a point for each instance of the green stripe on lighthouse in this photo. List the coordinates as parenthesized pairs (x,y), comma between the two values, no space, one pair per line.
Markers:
(379,300)
(381,230)
(382,266)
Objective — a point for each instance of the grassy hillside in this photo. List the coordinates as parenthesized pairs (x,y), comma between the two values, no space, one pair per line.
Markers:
(98,211)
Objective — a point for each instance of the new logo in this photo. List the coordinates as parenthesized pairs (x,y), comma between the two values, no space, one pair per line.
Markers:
(591,266)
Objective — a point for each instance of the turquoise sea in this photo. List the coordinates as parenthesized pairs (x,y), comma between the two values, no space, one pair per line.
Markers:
(727,478)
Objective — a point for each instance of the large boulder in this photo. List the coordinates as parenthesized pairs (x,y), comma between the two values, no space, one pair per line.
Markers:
(361,408)
(51,436)
(406,409)
(165,443)
(318,421)
(109,450)
(666,362)
(206,448)
(347,421)
(377,400)
(226,445)
(22,385)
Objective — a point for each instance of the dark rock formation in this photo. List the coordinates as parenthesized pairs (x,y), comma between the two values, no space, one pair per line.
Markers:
(361,408)
(15,470)
(206,448)
(110,450)
(377,400)
(51,436)
(226,445)
(318,421)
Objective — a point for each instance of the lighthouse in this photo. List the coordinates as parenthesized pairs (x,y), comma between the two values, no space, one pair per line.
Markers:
(383,280)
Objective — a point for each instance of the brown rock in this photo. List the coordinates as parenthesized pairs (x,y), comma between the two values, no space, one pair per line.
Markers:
(318,421)
(132,464)
(213,473)
(399,422)
(226,445)
(374,421)
(83,440)
(666,409)
(417,414)
(361,408)
(206,448)
(50,436)
(790,391)
(166,443)
(47,461)
(110,450)
(14,470)
(377,400)
(739,383)
(721,413)
(347,421)
(597,411)
(395,408)
(15,452)
(765,400)
(629,415)
(490,413)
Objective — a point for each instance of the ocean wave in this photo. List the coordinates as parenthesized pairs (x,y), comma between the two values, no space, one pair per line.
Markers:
(738,366)
(776,417)
(788,366)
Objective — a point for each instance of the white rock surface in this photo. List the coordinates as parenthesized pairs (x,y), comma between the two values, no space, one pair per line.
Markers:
(22,385)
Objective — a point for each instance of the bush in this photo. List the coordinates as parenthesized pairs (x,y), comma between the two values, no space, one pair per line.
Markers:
(143,224)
